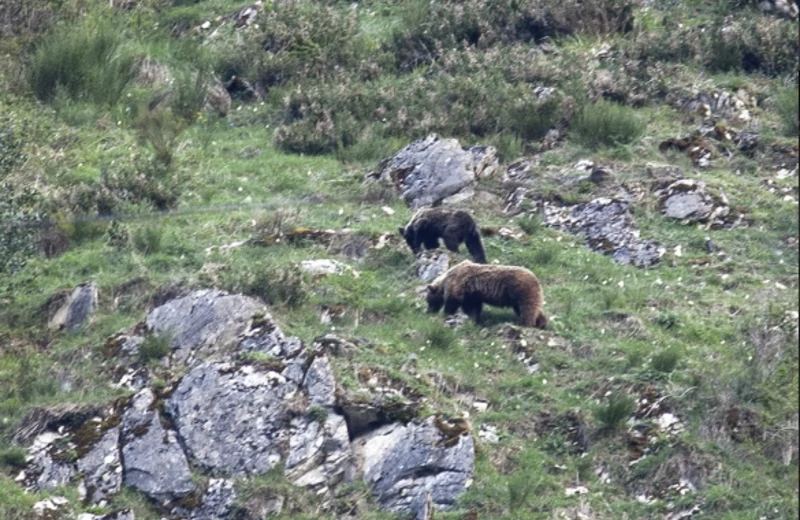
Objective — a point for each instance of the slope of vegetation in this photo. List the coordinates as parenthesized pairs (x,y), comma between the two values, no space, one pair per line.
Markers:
(113,171)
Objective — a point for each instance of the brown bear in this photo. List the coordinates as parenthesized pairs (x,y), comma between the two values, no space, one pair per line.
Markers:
(469,285)
(428,225)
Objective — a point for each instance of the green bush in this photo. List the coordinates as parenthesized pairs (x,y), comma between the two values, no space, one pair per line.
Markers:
(767,45)
(154,347)
(617,410)
(13,457)
(604,124)
(148,239)
(11,146)
(531,223)
(440,337)
(88,61)
(788,109)
(666,360)
(21,221)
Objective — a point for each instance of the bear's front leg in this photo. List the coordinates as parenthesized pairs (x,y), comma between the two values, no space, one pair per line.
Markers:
(473,310)
(451,307)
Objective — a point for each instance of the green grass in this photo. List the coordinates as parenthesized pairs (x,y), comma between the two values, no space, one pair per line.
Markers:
(710,331)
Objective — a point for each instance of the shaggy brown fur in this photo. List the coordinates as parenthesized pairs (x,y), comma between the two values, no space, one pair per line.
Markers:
(469,286)
(427,226)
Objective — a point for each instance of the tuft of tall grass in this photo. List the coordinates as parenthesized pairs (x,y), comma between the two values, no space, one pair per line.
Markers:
(605,124)
(613,414)
(89,62)
(788,107)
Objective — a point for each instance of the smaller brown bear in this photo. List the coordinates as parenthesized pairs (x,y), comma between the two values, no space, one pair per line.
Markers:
(428,225)
(469,286)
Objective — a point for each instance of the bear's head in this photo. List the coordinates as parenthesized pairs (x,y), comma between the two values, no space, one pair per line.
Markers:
(435,297)
(410,237)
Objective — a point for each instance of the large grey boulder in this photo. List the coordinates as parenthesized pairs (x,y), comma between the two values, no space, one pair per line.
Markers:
(318,452)
(75,308)
(152,460)
(431,264)
(432,169)
(404,464)
(218,501)
(101,469)
(232,419)
(205,320)
(691,201)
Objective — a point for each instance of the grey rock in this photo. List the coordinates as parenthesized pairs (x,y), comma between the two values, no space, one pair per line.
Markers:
(320,383)
(686,205)
(76,308)
(219,501)
(265,337)
(152,459)
(429,170)
(691,201)
(50,473)
(318,453)
(206,320)
(124,514)
(405,463)
(232,419)
(102,469)
(431,264)
(608,227)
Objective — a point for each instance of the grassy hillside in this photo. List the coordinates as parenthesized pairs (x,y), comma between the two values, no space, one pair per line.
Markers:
(113,171)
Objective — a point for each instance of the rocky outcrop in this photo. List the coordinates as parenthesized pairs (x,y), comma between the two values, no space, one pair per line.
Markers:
(203,322)
(606,224)
(153,461)
(405,463)
(431,170)
(74,308)
(101,469)
(262,400)
(231,418)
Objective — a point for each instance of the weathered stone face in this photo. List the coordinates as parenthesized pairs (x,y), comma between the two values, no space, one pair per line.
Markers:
(405,463)
(204,320)
(432,169)
(153,461)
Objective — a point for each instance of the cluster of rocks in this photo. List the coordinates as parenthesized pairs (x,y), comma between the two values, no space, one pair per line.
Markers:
(251,398)
(692,201)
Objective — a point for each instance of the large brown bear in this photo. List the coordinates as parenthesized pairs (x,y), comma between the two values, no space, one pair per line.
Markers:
(427,226)
(469,286)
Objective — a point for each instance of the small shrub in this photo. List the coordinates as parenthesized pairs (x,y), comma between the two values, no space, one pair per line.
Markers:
(284,286)
(666,320)
(665,361)
(154,347)
(88,61)
(612,415)
(440,337)
(788,109)
(531,224)
(148,240)
(605,124)
(160,129)
(317,413)
(531,119)
(21,220)
(13,457)
(11,147)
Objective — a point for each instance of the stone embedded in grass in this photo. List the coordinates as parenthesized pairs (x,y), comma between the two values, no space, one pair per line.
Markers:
(431,264)
(430,170)
(71,309)
(693,201)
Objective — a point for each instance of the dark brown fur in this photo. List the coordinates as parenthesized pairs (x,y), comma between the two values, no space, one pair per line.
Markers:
(453,226)
(469,286)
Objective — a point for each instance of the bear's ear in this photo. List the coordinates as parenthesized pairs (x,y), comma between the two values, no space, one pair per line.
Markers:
(430,288)
(402,231)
